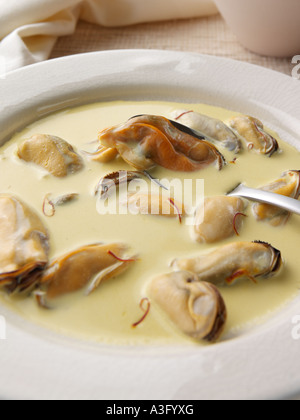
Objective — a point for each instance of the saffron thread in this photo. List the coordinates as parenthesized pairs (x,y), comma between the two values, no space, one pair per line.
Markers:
(177,209)
(121,259)
(48,202)
(145,310)
(234,222)
(184,113)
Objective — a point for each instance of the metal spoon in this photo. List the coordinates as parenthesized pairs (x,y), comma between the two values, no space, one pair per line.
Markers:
(286,203)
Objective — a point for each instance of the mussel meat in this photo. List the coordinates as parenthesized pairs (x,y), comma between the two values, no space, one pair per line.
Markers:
(102,154)
(154,204)
(252,260)
(85,267)
(52,153)
(212,129)
(146,141)
(252,132)
(196,308)
(113,180)
(222,219)
(24,244)
(289,186)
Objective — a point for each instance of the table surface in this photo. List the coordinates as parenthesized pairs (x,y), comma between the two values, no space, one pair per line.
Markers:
(208,35)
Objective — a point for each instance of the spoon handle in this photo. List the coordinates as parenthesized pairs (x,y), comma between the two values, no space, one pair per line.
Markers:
(286,203)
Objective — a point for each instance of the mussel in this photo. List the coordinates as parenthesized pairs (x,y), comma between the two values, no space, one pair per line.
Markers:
(50,204)
(52,153)
(288,185)
(154,204)
(86,267)
(113,180)
(252,132)
(146,141)
(222,219)
(196,308)
(24,245)
(102,154)
(252,260)
(212,129)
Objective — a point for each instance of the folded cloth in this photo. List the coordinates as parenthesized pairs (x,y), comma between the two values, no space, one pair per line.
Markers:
(30,28)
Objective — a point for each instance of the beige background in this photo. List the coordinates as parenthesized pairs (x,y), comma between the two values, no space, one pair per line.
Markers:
(208,35)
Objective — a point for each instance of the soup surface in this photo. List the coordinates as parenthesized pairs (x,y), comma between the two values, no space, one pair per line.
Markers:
(108,314)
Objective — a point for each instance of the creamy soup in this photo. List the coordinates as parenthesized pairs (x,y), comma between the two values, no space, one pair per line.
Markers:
(108,314)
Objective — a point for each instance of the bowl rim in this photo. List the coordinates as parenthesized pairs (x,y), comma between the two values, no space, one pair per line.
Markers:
(248,367)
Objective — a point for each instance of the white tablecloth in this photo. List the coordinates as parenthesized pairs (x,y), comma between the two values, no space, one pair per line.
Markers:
(30,28)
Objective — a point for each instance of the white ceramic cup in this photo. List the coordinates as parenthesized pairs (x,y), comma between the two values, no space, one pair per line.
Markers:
(267,27)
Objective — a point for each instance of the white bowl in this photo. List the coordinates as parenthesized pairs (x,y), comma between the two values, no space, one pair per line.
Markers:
(264,361)
(267,27)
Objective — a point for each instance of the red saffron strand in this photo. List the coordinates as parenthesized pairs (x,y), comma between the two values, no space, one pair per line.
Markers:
(146,311)
(177,209)
(121,259)
(184,113)
(50,203)
(234,222)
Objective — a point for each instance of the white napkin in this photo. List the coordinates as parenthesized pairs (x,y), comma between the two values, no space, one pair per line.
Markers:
(29,28)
